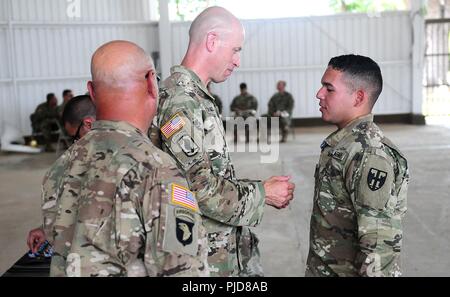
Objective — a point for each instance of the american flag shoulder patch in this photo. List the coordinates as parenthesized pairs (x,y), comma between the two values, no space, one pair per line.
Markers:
(172,126)
(182,196)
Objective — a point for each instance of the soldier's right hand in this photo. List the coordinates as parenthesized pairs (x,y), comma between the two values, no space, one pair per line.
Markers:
(279,191)
(36,237)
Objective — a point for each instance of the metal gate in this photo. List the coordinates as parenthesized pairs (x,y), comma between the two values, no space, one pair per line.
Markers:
(437,68)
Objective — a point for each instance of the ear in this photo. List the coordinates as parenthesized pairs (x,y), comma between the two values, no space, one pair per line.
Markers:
(360,98)
(87,122)
(90,88)
(211,41)
(152,86)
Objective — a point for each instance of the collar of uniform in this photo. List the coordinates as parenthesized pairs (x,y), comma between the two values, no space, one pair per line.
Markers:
(192,76)
(351,127)
(115,125)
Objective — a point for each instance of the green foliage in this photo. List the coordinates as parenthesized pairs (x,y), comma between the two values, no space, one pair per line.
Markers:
(186,9)
(366,5)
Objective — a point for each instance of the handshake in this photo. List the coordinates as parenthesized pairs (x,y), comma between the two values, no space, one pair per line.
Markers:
(279,191)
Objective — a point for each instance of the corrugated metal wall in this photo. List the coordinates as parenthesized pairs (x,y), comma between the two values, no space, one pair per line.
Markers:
(43,50)
(297,50)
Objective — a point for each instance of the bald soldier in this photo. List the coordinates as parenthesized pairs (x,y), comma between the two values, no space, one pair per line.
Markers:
(192,132)
(124,207)
(361,179)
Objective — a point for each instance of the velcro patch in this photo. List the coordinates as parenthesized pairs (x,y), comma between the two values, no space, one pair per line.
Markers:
(188,145)
(376,182)
(172,126)
(182,196)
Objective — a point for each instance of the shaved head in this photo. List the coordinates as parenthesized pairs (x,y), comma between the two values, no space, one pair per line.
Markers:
(119,64)
(216,38)
(123,85)
(213,19)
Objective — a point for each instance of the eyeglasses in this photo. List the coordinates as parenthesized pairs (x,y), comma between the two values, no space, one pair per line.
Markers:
(77,136)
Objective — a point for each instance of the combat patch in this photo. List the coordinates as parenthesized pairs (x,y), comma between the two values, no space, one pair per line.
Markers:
(182,196)
(185,223)
(172,126)
(181,231)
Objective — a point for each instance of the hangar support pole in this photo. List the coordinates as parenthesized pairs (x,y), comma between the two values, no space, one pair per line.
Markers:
(165,37)
(418,52)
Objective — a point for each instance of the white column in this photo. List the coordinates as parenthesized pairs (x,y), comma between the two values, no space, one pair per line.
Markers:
(12,67)
(165,52)
(418,51)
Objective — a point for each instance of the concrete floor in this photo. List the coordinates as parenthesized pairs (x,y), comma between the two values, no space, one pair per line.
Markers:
(283,233)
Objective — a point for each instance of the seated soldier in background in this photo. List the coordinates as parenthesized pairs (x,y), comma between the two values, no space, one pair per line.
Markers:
(67,95)
(281,105)
(244,105)
(44,119)
(124,209)
(78,117)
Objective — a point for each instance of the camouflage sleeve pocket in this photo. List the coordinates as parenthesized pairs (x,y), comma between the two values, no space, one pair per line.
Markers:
(181,222)
(376,182)
(182,136)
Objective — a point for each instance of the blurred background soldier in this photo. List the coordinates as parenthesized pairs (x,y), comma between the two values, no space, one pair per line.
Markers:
(281,105)
(244,105)
(44,120)
(67,96)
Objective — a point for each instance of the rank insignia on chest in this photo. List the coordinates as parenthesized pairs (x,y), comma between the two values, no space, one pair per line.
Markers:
(376,179)
(172,126)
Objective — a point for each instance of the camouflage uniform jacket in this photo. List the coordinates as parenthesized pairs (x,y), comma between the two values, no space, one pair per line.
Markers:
(123,209)
(359,203)
(218,102)
(192,132)
(281,102)
(44,112)
(245,102)
(51,188)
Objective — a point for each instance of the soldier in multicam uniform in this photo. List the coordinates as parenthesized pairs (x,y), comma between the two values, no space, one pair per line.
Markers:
(244,104)
(192,132)
(361,179)
(78,116)
(281,105)
(44,119)
(123,206)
